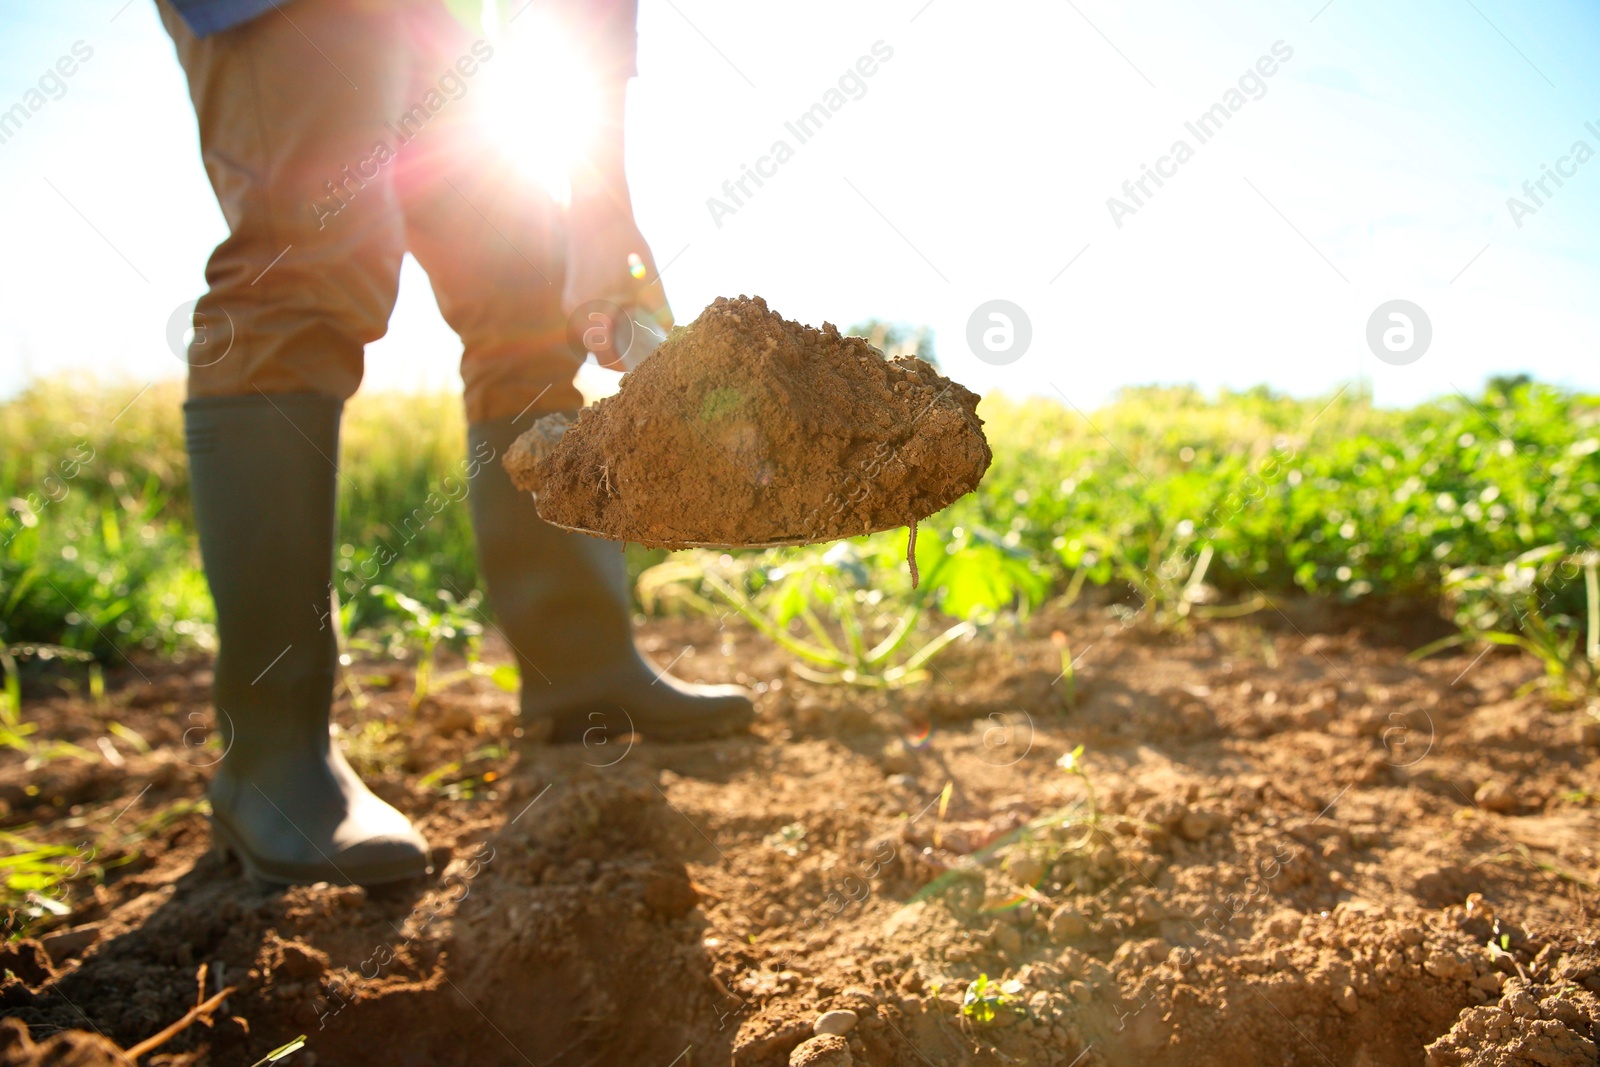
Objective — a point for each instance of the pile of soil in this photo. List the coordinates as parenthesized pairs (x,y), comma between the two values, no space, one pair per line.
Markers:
(1307,850)
(746,428)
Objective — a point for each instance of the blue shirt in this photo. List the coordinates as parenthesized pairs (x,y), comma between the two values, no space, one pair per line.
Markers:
(605,29)
(206,17)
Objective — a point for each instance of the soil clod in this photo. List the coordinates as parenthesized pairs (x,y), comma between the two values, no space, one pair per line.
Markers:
(746,428)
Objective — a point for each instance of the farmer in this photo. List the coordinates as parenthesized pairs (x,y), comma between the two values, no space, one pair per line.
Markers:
(339,135)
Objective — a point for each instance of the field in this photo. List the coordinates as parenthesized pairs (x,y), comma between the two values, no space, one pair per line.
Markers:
(1221,730)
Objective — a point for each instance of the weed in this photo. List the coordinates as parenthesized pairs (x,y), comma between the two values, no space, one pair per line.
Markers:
(856,633)
(790,839)
(423,630)
(281,1052)
(985,1000)
(14,733)
(463,779)
(1512,605)
(1072,763)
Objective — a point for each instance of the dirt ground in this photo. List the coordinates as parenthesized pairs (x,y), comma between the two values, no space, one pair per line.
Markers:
(1303,849)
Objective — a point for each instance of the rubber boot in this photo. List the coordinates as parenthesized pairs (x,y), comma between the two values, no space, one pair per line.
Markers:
(283,799)
(561,601)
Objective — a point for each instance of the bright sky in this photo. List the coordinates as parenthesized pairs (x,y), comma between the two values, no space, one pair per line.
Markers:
(976,166)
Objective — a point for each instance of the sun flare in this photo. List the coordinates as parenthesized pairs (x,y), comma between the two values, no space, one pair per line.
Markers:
(540,103)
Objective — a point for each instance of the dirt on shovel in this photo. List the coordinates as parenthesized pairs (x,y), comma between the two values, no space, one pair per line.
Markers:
(745,428)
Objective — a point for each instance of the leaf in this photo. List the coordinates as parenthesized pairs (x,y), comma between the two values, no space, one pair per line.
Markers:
(281,1051)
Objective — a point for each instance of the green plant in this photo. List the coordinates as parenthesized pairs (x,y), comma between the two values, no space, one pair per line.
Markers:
(1326,496)
(789,839)
(985,1000)
(855,631)
(1072,763)
(1044,840)
(461,779)
(1511,605)
(1068,678)
(1172,588)
(14,733)
(281,1052)
(422,630)
(32,876)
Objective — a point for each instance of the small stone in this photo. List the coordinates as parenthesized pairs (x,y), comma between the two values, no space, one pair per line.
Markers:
(1066,922)
(669,894)
(839,1022)
(1284,924)
(1347,1001)
(1197,824)
(63,945)
(301,962)
(1025,870)
(1007,941)
(1442,964)
(1518,1001)
(1479,908)
(1497,796)
(1489,981)
(827,1050)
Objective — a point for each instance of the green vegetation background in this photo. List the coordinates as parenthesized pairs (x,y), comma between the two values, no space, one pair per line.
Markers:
(1329,496)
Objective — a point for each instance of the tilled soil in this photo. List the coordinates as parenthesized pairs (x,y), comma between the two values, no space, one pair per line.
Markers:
(1303,850)
(746,428)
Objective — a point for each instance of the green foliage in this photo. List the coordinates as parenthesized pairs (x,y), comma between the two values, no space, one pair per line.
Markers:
(985,1000)
(422,629)
(1072,763)
(38,879)
(1327,497)
(16,734)
(1178,504)
(845,610)
(281,1052)
(32,875)
(1516,604)
(97,550)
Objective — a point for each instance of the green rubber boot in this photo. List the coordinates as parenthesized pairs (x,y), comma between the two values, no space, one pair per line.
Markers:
(283,799)
(561,601)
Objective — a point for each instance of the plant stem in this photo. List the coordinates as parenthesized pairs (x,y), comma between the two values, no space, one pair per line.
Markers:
(911,553)
(741,603)
(1591,581)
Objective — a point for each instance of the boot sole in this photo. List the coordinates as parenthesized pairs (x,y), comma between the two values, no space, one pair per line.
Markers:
(225,843)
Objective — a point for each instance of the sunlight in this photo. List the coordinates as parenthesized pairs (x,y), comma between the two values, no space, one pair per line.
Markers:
(540,100)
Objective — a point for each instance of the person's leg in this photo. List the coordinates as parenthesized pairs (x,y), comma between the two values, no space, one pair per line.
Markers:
(492,245)
(306,277)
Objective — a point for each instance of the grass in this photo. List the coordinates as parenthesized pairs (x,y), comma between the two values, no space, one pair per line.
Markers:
(38,879)
(1514,605)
